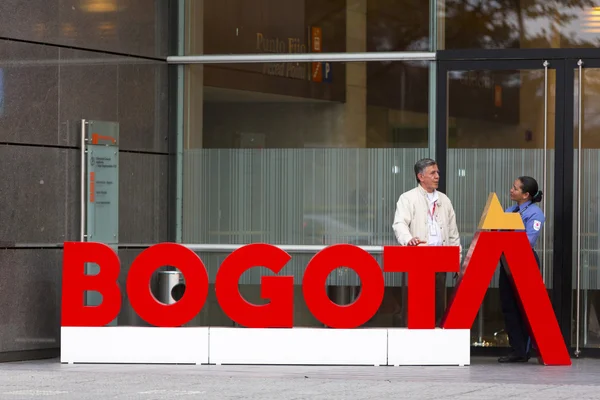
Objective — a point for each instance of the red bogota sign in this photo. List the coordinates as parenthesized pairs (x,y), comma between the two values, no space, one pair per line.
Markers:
(421,264)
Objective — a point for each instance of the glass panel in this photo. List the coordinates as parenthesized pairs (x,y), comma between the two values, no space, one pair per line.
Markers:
(495,135)
(589,324)
(273,155)
(465,24)
(301,26)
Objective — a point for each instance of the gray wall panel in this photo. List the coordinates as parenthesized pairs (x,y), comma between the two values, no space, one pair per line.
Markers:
(127,90)
(64,75)
(30,292)
(46,90)
(136,27)
(143,198)
(143,106)
(29,93)
(39,194)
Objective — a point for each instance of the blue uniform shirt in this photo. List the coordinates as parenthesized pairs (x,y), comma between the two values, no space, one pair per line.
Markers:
(533,219)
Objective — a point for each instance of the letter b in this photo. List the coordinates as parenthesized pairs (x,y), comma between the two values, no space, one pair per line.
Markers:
(76,283)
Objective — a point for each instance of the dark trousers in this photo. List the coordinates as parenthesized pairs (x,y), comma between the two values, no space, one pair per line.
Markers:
(440,296)
(440,300)
(515,324)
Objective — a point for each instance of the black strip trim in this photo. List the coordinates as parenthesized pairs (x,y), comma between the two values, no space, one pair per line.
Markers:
(562,279)
(441,116)
(494,65)
(497,351)
(588,352)
(172,162)
(173,43)
(517,54)
(52,146)
(172,71)
(7,246)
(15,246)
(152,153)
(587,63)
(62,46)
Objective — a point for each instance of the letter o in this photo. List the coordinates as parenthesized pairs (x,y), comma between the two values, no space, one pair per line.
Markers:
(315,277)
(143,301)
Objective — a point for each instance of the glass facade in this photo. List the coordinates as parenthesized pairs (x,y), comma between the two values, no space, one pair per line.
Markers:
(495,125)
(317,153)
(276,27)
(529,24)
(587,101)
(290,160)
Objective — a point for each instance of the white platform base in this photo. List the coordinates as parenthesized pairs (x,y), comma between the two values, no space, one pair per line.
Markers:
(429,347)
(134,345)
(296,346)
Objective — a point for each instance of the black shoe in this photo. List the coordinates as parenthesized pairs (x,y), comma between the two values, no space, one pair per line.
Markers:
(514,358)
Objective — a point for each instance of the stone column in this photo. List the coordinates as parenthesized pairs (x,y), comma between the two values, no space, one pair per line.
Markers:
(353,132)
(194,76)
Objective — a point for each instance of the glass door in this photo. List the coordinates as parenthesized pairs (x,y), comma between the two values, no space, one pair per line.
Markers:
(585,73)
(498,123)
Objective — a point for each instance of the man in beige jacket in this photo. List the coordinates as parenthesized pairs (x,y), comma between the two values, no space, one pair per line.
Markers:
(425,216)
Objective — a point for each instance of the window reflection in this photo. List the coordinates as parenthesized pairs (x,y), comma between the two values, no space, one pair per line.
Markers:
(285,26)
(496,133)
(303,159)
(503,24)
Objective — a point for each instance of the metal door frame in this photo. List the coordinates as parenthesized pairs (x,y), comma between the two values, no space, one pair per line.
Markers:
(578,64)
(561,293)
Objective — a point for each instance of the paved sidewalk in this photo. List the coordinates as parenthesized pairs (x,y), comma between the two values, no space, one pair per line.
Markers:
(484,379)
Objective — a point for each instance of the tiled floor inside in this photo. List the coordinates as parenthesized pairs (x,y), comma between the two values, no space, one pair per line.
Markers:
(484,379)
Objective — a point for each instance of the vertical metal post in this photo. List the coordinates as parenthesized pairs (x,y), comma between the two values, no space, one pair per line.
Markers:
(545,178)
(578,288)
(432,109)
(432,78)
(480,341)
(83,201)
(181,37)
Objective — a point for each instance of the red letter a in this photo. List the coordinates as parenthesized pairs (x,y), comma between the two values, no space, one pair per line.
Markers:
(484,258)
(76,282)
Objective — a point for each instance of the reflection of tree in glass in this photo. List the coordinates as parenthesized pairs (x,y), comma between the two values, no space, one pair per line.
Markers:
(590,100)
(511,23)
(396,25)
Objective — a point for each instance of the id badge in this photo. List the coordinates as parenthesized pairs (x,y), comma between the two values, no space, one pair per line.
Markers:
(432,230)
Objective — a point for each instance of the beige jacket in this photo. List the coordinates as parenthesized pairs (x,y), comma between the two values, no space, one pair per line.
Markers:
(411,217)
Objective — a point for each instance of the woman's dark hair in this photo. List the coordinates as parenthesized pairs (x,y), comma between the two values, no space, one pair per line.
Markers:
(530,185)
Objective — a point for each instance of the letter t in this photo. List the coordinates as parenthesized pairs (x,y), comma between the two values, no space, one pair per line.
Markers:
(421,265)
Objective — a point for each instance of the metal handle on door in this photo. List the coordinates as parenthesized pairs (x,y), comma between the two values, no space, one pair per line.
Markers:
(578,290)
(545,178)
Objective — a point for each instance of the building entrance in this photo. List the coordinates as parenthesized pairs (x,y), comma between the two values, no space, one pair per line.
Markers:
(499,119)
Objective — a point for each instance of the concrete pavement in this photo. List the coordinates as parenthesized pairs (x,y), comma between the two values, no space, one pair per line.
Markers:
(484,379)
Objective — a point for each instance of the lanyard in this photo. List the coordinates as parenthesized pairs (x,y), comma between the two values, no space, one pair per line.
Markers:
(430,212)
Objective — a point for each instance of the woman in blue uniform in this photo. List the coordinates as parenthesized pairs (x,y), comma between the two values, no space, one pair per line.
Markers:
(526,194)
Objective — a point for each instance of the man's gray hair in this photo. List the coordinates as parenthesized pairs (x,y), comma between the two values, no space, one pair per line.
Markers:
(421,165)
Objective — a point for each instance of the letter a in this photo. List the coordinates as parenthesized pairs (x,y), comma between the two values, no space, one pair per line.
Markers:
(484,256)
